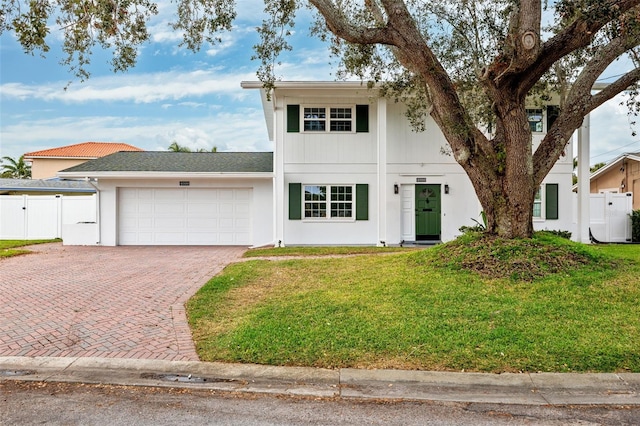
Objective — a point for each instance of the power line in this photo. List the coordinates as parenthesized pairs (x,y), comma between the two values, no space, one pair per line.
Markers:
(612,76)
(614,150)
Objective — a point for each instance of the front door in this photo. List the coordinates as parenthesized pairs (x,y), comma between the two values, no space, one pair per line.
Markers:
(427,212)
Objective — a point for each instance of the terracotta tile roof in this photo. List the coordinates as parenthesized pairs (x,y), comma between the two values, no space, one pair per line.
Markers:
(84,150)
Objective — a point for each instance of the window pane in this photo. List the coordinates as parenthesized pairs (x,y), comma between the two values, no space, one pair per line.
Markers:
(340,126)
(315,126)
(535,119)
(315,193)
(315,113)
(340,119)
(341,113)
(312,210)
(342,201)
(537,204)
(315,119)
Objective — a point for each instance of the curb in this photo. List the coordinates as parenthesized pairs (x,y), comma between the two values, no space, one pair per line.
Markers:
(506,388)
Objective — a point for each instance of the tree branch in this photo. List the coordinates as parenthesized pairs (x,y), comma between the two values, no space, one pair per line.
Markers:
(338,24)
(576,35)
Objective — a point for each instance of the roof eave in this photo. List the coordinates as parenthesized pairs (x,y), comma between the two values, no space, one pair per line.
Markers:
(54,190)
(166,175)
(59,157)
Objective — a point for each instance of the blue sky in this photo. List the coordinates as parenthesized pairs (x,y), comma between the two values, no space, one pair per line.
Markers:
(175,95)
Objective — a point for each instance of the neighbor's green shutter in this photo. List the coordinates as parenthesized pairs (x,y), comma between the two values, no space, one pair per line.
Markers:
(362,201)
(551,198)
(293,118)
(295,201)
(362,118)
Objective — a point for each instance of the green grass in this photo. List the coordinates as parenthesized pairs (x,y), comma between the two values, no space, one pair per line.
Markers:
(8,248)
(321,251)
(425,310)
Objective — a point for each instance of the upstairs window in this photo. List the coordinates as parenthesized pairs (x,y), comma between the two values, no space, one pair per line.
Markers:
(534,116)
(324,119)
(340,119)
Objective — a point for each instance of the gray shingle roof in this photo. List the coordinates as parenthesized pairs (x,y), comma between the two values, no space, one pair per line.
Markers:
(42,185)
(191,162)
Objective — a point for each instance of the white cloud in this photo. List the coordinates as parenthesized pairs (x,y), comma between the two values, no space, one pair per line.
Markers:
(138,88)
(611,131)
(236,130)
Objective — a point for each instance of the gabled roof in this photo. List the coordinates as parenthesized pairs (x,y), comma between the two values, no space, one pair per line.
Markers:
(83,150)
(174,163)
(42,185)
(635,156)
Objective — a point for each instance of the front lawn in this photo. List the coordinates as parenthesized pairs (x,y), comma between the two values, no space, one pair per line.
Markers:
(9,248)
(577,309)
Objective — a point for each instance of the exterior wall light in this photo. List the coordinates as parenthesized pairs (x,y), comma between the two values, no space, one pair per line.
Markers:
(396,188)
(446,188)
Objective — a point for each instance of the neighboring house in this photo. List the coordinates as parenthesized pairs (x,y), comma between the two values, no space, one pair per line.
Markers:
(46,163)
(347,170)
(620,175)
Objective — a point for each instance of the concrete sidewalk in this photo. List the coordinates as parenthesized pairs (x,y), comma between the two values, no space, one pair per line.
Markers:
(508,388)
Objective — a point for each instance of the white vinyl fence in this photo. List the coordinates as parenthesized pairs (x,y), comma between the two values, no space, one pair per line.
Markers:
(34,217)
(611,217)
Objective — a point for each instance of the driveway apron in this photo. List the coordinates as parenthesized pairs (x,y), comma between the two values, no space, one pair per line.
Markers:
(114,302)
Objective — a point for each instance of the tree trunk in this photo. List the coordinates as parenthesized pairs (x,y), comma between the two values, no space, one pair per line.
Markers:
(505,184)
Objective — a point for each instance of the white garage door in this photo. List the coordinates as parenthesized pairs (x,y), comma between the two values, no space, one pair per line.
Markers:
(181,216)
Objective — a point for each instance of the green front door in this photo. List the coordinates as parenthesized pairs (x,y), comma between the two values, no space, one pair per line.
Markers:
(427,212)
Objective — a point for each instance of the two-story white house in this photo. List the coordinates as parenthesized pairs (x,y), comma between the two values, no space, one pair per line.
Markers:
(349,169)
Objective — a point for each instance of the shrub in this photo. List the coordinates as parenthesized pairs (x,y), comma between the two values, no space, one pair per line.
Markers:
(559,233)
(635,226)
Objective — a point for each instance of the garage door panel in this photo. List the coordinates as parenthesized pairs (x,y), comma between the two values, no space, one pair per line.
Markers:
(168,222)
(242,208)
(208,209)
(243,194)
(207,238)
(202,223)
(226,194)
(169,238)
(169,194)
(196,216)
(142,194)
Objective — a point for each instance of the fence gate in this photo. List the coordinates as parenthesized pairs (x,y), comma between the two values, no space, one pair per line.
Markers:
(35,217)
(611,217)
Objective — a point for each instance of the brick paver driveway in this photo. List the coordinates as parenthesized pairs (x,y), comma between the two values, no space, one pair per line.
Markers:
(124,302)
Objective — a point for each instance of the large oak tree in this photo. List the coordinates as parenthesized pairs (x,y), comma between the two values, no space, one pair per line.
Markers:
(471,65)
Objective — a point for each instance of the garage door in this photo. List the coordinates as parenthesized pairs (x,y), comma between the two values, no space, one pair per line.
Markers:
(181,216)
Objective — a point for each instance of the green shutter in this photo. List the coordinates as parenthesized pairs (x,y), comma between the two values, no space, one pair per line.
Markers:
(362,201)
(551,200)
(295,201)
(362,118)
(293,118)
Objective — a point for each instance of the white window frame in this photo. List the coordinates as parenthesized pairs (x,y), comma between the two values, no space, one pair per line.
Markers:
(327,118)
(328,203)
(543,116)
(542,203)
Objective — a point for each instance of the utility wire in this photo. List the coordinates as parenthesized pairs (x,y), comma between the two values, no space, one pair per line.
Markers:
(614,150)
